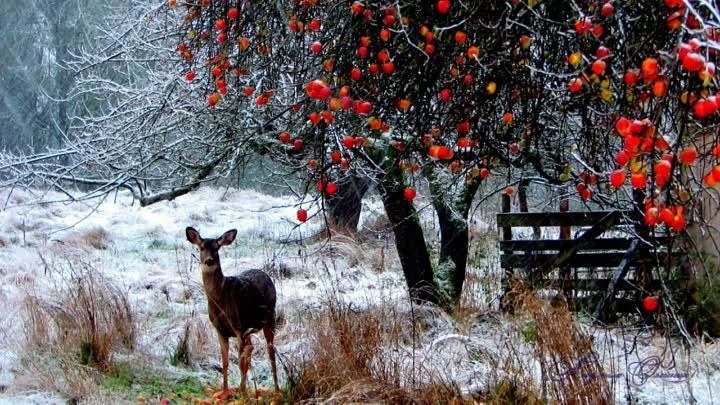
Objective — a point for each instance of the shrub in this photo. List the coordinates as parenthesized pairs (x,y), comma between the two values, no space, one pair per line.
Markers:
(75,325)
(359,356)
(96,237)
(563,351)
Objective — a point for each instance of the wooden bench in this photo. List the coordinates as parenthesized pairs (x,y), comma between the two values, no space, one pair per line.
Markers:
(603,258)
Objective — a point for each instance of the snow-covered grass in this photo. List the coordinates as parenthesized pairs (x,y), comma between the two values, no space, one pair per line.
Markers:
(144,252)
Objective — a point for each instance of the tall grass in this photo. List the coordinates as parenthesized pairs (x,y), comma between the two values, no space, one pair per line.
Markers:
(73,325)
(569,364)
(363,356)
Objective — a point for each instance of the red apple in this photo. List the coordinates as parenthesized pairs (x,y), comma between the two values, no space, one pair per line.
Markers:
(598,67)
(357,7)
(583,25)
(525,41)
(631,77)
(688,156)
(302,215)
(316,47)
(443,6)
(649,69)
(388,68)
(355,74)
(650,304)
(622,158)
(638,180)
(214,99)
(314,118)
(652,216)
(607,9)
(693,62)
(463,127)
(575,85)
(601,52)
(617,178)
(336,156)
(331,188)
(445,95)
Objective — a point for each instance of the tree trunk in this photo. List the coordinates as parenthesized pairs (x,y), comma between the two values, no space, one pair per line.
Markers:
(454,240)
(509,274)
(454,244)
(409,240)
(523,203)
(344,210)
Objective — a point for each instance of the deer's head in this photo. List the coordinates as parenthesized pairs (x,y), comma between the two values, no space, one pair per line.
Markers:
(209,257)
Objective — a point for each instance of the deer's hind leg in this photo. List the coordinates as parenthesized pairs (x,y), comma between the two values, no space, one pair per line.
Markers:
(270,339)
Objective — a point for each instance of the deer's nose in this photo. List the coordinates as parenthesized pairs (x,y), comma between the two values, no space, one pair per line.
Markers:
(209,261)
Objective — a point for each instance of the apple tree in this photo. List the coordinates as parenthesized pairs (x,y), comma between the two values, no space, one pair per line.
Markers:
(613,99)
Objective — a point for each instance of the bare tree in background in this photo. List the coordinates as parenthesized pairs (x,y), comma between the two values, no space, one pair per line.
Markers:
(34,86)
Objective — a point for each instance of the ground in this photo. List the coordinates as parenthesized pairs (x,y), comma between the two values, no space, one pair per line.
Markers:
(144,253)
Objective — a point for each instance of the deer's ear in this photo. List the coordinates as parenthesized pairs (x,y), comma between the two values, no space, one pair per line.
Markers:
(227,238)
(193,236)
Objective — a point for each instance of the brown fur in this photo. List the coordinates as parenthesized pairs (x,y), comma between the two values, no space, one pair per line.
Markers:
(238,306)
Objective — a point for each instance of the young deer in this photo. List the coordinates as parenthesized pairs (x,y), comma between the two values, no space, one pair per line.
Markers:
(238,306)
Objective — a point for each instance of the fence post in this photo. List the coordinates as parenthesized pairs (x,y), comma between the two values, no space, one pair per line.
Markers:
(565,235)
(508,273)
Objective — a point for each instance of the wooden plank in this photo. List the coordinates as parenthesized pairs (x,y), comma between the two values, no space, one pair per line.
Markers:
(558,218)
(540,245)
(618,278)
(620,305)
(561,259)
(544,260)
(591,260)
(600,284)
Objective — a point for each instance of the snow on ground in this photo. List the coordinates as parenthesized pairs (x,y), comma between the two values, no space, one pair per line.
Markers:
(145,252)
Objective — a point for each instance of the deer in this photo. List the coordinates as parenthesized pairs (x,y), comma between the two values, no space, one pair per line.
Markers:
(238,306)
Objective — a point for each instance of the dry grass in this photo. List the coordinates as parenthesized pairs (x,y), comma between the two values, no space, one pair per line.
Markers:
(361,251)
(377,224)
(347,247)
(73,327)
(96,237)
(194,343)
(569,364)
(362,357)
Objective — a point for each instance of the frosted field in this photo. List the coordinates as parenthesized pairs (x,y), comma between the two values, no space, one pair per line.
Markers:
(144,251)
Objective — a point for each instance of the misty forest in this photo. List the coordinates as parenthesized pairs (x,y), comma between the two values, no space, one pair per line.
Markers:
(235,202)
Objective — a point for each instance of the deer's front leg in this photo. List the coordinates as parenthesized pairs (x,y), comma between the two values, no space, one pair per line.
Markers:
(224,349)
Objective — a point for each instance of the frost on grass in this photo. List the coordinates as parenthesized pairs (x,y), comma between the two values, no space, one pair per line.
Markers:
(144,252)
